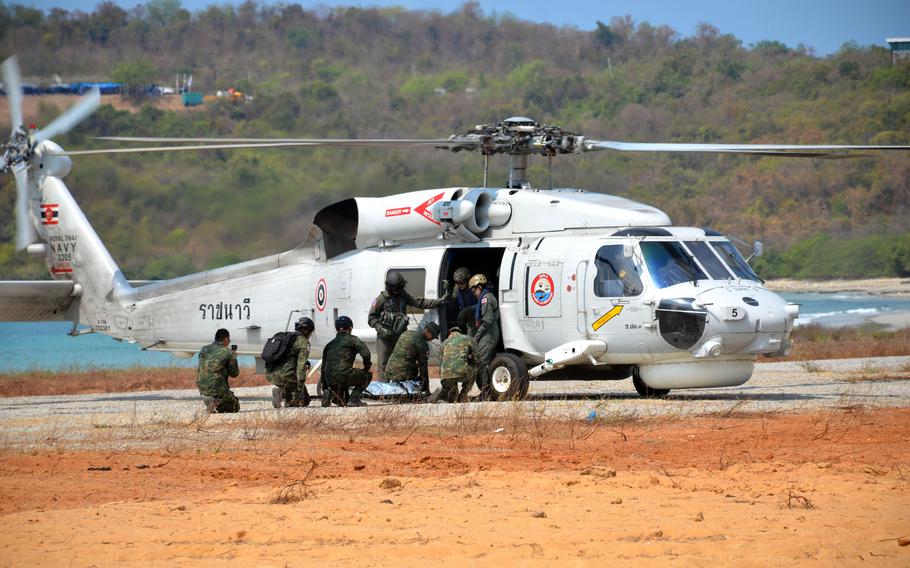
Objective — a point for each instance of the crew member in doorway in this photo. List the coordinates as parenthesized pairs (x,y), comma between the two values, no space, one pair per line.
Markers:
(486,331)
(216,364)
(387,315)
(341,382)
(409,358)
(464,314)
(289,377)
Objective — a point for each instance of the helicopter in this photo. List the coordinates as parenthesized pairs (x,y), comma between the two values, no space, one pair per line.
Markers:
(591,286)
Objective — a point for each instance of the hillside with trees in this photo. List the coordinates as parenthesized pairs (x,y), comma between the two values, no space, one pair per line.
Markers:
(353,72)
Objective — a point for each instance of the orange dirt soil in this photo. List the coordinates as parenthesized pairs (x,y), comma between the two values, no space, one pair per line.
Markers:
(821,488)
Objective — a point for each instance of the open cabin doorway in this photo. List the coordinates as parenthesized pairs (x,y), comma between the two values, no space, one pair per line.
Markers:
(479,260)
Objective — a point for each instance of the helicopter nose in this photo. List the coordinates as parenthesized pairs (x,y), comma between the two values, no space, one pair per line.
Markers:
(743,319)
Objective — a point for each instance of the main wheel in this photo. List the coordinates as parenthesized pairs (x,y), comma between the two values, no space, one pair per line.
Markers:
(644,390)
(508,378)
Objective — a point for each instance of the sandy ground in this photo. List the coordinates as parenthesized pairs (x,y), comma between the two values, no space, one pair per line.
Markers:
(804,465)
(883,286)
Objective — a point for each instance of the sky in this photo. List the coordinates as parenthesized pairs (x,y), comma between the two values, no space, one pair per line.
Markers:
(823,25)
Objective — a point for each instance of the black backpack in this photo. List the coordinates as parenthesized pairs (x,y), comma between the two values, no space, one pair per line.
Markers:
(277,349)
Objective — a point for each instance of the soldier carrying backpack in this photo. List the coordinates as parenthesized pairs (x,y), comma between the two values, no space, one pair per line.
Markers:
(285,355)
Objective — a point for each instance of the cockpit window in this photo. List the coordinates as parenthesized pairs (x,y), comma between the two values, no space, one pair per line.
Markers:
(669,263)
(616,274)
(708,259)
(734,260)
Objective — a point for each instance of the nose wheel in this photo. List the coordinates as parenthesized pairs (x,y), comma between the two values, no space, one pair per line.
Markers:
(644,390)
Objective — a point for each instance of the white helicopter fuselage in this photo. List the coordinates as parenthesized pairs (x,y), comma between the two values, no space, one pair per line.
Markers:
(581,280)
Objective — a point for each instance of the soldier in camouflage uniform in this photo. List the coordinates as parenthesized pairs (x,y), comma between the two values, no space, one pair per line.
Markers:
(338,372)
(464,299)
(216,364)
(486,332)
(387,316)
(457,365)
(289,377)
(409,358)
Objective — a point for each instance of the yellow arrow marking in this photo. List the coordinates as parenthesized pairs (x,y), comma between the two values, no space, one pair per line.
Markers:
(606,317)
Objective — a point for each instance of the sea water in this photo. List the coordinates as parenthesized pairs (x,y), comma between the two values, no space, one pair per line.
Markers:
(47,345)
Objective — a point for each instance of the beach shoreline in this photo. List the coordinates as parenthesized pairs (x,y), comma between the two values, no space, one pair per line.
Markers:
(896,287)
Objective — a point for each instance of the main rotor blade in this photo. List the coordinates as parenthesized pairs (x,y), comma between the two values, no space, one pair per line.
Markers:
(25,230)
(344,142)
(782,150)
(73,116)
(12,84)
(176,148)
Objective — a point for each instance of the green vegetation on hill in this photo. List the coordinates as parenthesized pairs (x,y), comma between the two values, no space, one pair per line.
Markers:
(352,72)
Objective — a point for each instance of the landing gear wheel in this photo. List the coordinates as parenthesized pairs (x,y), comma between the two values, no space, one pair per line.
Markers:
(644,390)
(508,378)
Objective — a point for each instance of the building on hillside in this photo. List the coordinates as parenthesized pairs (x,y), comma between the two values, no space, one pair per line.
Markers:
(900,48)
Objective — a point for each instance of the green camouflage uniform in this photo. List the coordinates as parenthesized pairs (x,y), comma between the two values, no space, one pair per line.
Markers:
(457,365)
(290,375)
(385,303)
(487,336)
(216,364)
(409,359)
(338,372)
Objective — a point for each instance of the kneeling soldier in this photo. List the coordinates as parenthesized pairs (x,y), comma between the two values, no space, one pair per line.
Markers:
(289,377)
(216,364)
(458,365)
(409,358)
(338,372)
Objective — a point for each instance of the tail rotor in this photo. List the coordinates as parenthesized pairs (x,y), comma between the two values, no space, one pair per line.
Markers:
(18,151)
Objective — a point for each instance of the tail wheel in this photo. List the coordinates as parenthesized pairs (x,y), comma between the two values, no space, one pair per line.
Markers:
(644,390)
(508,378)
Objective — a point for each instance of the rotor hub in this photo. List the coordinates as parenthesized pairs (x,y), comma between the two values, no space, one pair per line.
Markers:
(517,136)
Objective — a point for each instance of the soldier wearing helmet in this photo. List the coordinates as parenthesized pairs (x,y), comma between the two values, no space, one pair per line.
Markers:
(341,382)
(387,315)
(289,376)
(464,314)
(409,358)
(486,330)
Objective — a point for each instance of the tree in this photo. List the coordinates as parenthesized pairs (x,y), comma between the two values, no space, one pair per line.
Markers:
(135,75)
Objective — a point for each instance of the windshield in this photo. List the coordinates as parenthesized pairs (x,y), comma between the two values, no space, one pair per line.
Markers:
(734,260)
(709,260)
(669,263)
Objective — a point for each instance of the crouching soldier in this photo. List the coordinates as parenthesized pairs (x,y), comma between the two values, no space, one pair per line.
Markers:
(458,365)
(341,382)
(409,358)
(289,377)
(216,364)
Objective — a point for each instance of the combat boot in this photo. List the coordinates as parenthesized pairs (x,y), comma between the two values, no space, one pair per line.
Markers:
(434,398)
(354,398)
(326,397)
(277,396)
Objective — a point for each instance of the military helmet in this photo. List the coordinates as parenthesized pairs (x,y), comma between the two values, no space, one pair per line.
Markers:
(463,274)
(433,327)
(394,282)
(343,322)
(477,280)
(304,325)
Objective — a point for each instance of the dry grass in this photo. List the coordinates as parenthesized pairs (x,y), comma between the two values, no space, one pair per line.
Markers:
(76,380)
(816,342)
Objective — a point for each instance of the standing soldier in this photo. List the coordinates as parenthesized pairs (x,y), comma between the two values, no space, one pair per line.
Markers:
(486,333)
(464,298)
(216,364)
(338,372)
(409,358)
(289,377)
(457,365)
(388,317)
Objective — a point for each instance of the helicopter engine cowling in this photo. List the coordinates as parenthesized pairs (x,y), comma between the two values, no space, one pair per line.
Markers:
(363,222)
